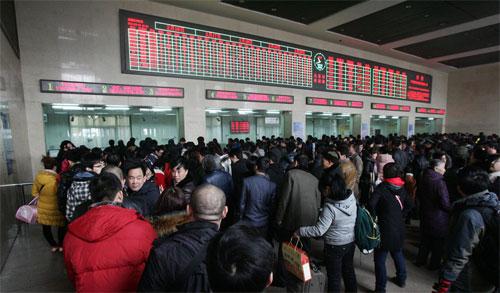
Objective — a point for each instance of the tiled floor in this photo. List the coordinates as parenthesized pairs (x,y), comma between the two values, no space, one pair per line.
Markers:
(32,267)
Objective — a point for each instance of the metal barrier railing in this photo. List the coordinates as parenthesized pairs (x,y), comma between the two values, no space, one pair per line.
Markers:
(12,196)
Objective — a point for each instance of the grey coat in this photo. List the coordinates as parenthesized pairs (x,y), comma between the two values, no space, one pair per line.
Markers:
(336,222)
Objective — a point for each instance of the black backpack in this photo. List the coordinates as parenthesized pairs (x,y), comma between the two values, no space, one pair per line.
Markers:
(486,254)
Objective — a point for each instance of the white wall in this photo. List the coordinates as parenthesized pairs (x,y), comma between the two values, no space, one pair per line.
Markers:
(474,100)
(79,41)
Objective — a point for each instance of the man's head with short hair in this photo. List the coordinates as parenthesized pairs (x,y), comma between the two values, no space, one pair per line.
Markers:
(49,163)
(106,187)
(392,170)
(301,162)
(111,169)
(263,164)
(136,174)
(211,163)
(208,203)
(239,260)
(472,180)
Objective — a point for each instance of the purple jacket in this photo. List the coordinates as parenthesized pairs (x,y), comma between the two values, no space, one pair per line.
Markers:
(434,204)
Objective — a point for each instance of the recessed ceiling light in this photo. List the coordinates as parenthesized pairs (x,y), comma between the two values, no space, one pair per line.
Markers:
(407,6)
(274,9)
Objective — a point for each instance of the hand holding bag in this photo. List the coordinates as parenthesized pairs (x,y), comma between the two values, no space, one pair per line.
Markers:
(296,260)
(27,213)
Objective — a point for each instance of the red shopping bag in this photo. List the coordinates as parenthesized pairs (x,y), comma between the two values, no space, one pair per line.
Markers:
(296,260)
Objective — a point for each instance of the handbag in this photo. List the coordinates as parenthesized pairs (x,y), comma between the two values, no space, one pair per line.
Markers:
(27,213)
(296,260)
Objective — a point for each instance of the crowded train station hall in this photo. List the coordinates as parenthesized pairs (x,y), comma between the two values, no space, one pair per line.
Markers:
(249,146)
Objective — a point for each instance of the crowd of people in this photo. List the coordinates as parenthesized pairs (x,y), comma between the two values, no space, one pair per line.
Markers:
(203,217)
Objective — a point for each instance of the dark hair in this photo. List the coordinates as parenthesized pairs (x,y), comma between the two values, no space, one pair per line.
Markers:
(104,187)
(73,155)
(331,156)
(472,180)
(211,163)
(435,162)
(180,162)
(302,162)
(171,199)
(239,259)
(263,164)
(89,159)
(113,159)
(134,164)
(343,149)
(48,162)
(336,184)
(235,152)
(392,170)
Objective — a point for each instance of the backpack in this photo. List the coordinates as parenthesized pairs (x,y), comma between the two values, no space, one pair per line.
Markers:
(366,231)
(486,254)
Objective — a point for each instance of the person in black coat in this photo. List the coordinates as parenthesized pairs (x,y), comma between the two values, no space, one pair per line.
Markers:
(390,203)
(176,263)
(215,175)
(141,195)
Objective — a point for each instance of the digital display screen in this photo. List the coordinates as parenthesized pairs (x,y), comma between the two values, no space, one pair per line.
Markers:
(248,97)
(240,127)
(430,111)
(333,102)
(390,107)
(160,46)
(73,87)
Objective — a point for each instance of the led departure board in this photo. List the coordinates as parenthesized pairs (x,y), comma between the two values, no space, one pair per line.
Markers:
(333,102)
(159,46)
(74,87)
(390,107)
(248,97)
(430,111)
(240,127)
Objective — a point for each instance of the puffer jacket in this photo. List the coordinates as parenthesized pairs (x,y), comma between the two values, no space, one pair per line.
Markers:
(336,222)
(221,179)
(467,228)
(257,201)
(78,192)
(106,249)
(45,186)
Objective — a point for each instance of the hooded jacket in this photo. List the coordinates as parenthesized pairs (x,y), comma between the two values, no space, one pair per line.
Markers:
(467,229)
(336,222)
(106,249)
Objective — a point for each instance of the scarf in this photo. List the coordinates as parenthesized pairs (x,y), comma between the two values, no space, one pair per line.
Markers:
(395,181)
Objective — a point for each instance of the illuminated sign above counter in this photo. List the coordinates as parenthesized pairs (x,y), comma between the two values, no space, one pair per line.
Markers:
(333,102)
(430,111)
(390,107)
(88,88)
(248,97)
(166,47)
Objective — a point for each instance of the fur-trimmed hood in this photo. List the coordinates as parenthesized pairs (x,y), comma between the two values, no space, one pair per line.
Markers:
(166,224)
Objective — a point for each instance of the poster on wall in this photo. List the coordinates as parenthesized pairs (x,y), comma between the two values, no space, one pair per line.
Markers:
(364,130)
(8,151)
(298,129)
(411,129)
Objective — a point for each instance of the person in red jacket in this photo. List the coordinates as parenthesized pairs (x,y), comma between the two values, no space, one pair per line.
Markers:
(106,249)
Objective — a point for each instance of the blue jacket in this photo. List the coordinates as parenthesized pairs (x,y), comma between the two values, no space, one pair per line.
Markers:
(221,179)
(257,201)
(467,227)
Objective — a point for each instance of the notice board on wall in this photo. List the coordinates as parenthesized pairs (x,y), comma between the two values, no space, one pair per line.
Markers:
(154,45)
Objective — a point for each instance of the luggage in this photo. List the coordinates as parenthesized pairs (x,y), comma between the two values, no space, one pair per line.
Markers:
(27,213)
(316,284)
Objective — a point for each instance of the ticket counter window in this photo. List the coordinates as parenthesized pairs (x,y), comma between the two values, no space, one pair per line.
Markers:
(323,123)
(94,126)
(223,124)
(385,125)
(428,125)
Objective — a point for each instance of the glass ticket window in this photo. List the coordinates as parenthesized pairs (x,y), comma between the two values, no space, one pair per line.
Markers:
(94,126)
(385,125)
(428,125)
(325,123)
(223,124)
